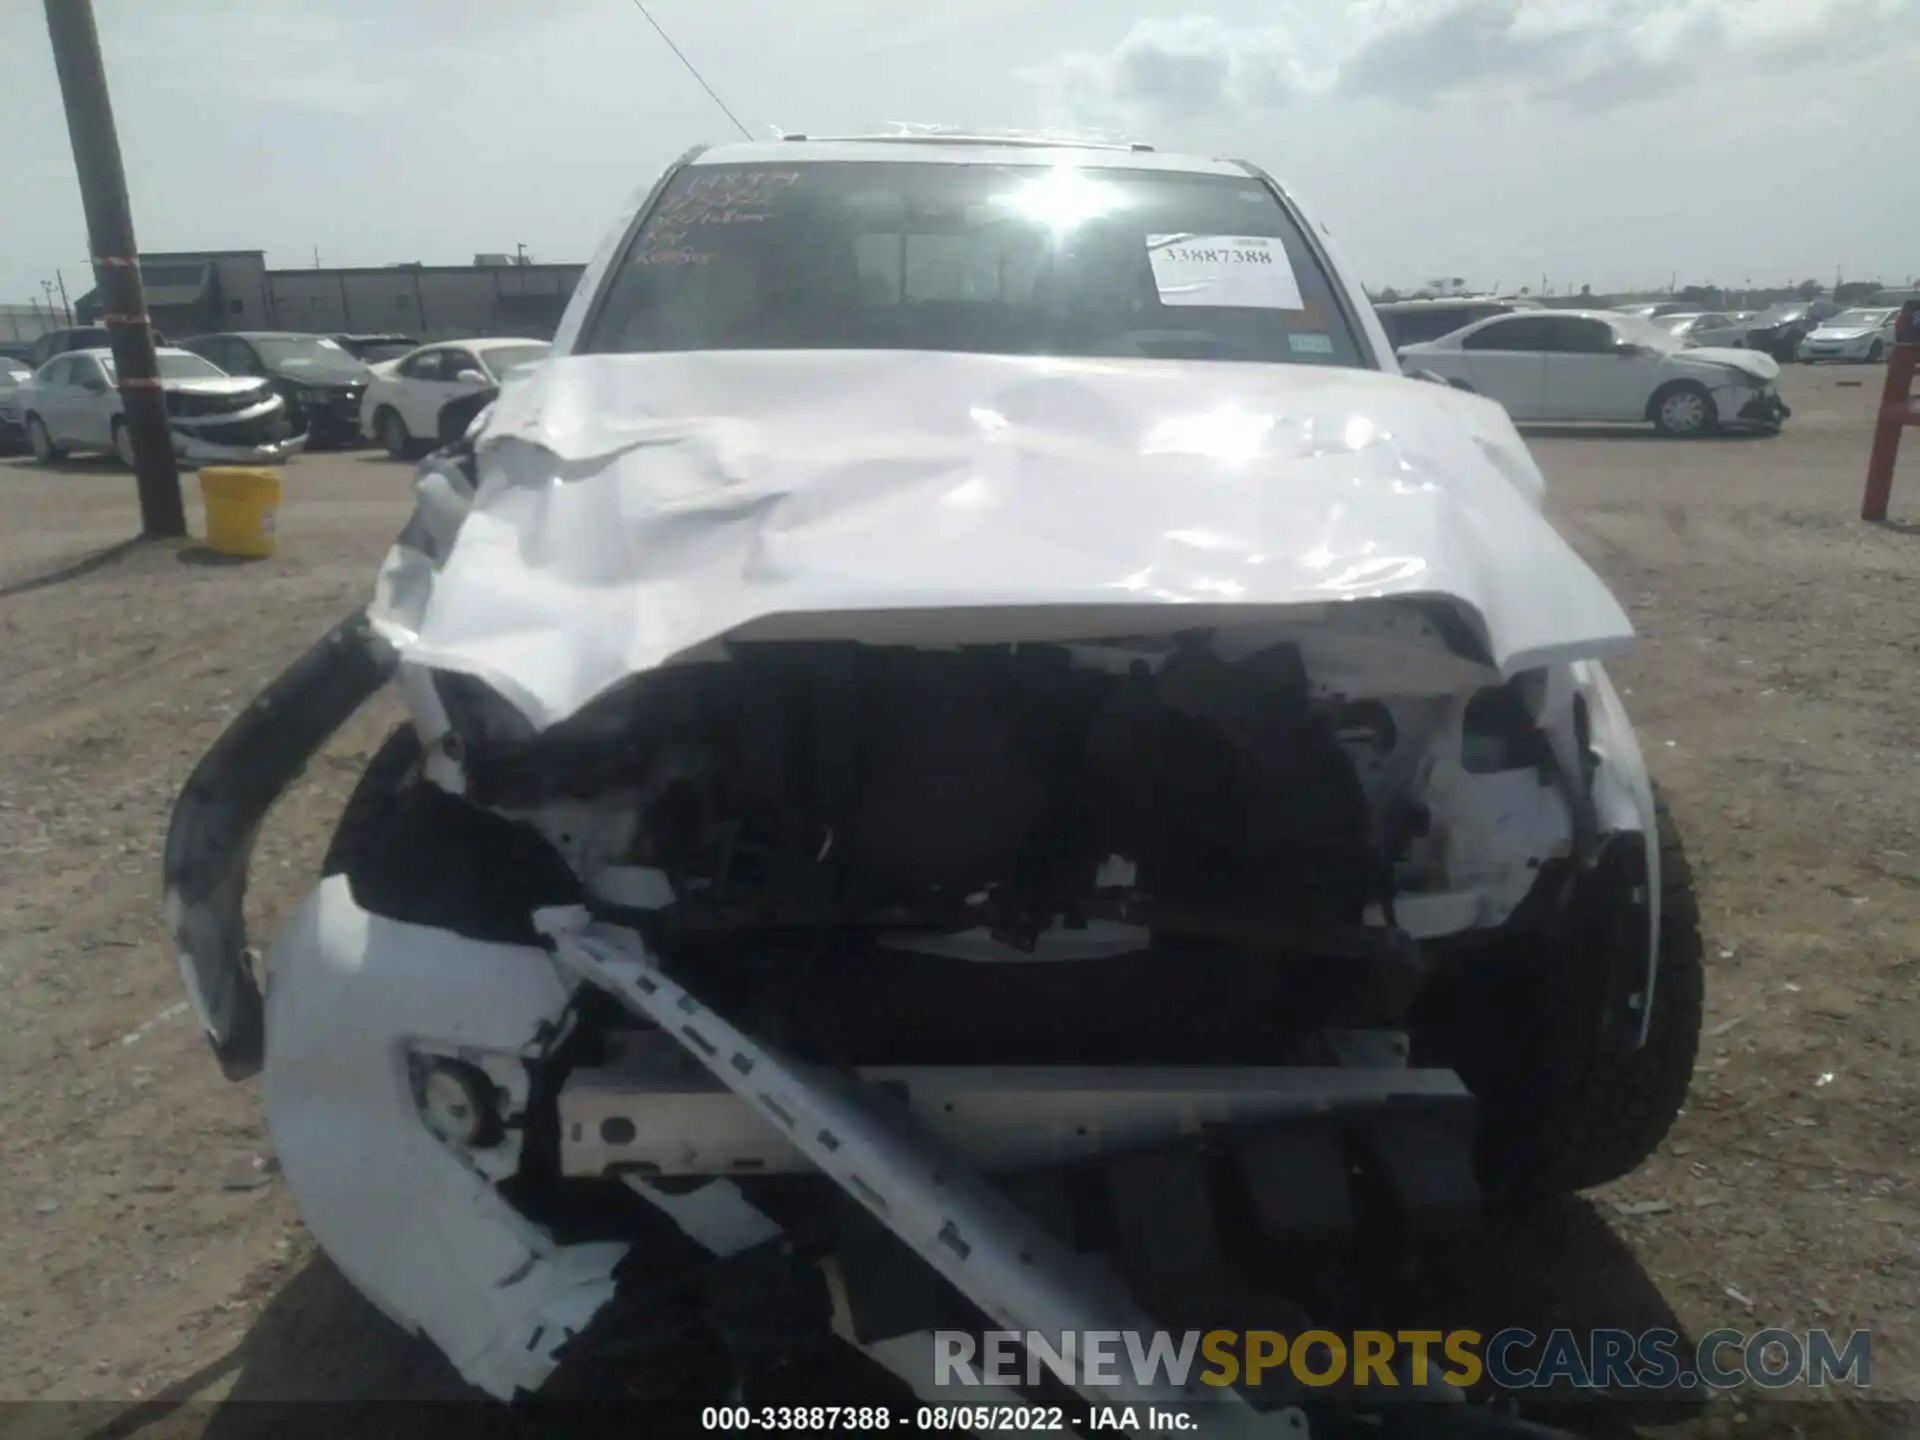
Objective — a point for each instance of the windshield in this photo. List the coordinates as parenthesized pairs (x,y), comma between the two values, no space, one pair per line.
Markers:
(176,365)
(313,355)
(387,350)
(1859,320)
(988,259)
(1642,331)
(1673,324)
(1783,312)
(502,358)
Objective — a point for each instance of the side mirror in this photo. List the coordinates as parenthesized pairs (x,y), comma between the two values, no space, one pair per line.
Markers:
(472,377)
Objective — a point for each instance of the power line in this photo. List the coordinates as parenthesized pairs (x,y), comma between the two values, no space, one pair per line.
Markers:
(745,134)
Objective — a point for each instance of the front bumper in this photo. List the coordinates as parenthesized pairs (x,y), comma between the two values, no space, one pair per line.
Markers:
(211,832)
(1814,351)
(265,436)
(198,451)
(334,420)
(1766,409)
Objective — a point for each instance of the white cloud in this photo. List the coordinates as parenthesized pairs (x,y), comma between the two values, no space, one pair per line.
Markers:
(1577,54)
(1189,68)
(1598,54)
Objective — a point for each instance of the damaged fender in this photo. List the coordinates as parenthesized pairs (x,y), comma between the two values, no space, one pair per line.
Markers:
(355,1000)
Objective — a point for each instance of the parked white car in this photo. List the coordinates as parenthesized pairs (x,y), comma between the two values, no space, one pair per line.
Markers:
(1599,365)
(73,403)
(1861,335)
(402,404)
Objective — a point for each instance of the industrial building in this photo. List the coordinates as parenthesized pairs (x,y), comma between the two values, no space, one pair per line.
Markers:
(29,321)
(192,292)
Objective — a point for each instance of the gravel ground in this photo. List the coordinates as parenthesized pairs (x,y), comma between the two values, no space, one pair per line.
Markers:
(151,1256)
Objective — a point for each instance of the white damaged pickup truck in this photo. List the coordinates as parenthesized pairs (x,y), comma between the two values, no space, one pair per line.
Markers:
(976,754)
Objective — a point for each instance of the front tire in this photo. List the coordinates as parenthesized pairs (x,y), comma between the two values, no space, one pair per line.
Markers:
(1683,410)
(45,452)
(123,443)
(1563,1106)
(1876,352)
(395,764)
(393,433)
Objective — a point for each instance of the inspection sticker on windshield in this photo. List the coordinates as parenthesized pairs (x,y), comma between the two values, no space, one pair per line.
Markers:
(1246,272)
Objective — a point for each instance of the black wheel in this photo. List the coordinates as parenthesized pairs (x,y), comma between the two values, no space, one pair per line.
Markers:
(393,434)
(1565,1105)
(1683,410)
(412,852)
(1876,352)
(40,442)
(456,415)
(385,778)
(123,442)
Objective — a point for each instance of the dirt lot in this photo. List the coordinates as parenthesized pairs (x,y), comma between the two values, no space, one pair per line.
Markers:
(149,1253)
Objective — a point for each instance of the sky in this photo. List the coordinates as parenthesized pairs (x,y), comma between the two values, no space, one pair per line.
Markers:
(1614,143)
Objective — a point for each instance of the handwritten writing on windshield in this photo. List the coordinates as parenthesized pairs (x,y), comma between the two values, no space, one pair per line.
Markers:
(724,197)
(680,256)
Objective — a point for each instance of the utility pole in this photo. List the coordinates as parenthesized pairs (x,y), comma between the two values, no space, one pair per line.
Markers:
(46,289)
(520,253)
(116,263)
(65,304)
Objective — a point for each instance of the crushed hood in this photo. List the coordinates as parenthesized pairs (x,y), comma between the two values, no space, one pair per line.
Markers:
(633,509)
(1752,362)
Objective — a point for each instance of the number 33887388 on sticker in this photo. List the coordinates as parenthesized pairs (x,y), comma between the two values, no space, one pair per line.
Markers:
(1249,272)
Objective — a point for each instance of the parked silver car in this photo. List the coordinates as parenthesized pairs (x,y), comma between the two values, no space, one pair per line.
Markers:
(1859,335)
(73,403)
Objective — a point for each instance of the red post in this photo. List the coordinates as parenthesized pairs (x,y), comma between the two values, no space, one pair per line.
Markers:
(1897,411)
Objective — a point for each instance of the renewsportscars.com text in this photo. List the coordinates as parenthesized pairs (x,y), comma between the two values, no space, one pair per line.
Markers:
(1513,1359)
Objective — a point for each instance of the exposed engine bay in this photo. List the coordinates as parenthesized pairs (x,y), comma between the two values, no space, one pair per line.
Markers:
(834,837)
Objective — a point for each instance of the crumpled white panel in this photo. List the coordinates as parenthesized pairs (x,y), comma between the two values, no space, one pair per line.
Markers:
(634,508)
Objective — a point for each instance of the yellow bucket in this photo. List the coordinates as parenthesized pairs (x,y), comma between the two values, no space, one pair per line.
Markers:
(242,503)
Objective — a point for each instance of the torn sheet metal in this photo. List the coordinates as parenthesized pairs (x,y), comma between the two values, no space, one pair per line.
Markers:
(631,509)
(1021,1276)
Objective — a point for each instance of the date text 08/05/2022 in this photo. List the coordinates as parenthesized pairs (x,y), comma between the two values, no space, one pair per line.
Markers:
(945,1418)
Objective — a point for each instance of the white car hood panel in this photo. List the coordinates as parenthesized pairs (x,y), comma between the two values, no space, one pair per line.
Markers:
(1761,367)
(633,509)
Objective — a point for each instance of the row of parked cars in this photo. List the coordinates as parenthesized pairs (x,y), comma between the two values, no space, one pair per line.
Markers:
(1686,371)
(263,395)
(257,396)
(1805,330)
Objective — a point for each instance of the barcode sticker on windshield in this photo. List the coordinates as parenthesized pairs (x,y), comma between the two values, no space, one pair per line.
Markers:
(1246,272)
